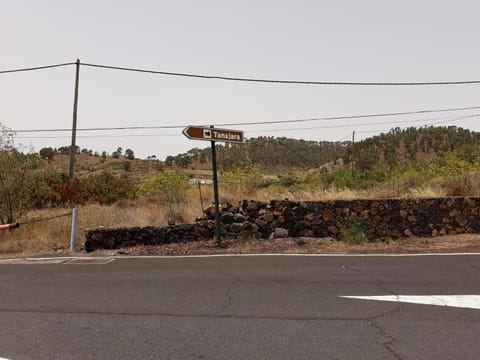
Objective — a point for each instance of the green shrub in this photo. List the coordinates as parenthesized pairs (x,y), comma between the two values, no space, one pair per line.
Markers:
(170,186)
(352,233)
(245,179)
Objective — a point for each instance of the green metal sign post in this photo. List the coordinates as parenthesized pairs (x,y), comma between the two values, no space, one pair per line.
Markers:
(213,135)
(218,227)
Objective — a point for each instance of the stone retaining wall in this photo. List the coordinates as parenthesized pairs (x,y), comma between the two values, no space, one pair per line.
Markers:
(379,219)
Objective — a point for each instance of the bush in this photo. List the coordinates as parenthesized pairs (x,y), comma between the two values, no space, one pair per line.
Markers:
(170,186)
(53,188)
(47,153)
(107,188)
(352,233)
(466,184)
(244,179)
(14,169)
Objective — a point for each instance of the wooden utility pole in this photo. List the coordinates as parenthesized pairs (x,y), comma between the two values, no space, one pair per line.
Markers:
(74,125)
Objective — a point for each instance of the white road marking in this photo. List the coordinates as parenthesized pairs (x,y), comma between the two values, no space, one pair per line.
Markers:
(458,301)
(59,260)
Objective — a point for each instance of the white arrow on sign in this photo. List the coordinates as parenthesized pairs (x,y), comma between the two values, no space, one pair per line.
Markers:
(458,301)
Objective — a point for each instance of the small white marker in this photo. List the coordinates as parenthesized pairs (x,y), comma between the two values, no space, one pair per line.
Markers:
(458,301)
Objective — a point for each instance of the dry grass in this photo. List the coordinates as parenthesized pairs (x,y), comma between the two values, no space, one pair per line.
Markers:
(53,236)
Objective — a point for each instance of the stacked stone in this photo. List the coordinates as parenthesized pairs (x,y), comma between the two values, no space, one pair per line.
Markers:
(380,219)
(115,238)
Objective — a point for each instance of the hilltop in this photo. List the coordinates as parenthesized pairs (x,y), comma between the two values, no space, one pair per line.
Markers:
(284,155)
(394,147)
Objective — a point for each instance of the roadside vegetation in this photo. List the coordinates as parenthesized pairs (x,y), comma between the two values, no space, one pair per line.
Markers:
(118,190)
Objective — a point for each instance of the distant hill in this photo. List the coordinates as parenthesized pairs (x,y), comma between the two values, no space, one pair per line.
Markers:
(281,154)
(266,152)
(401,146)
(87,164)
(395,147)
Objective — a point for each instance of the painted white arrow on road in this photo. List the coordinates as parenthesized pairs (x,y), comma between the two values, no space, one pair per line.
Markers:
(458,301)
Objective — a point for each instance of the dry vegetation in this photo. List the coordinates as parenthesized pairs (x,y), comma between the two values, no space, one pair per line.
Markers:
(268,170)
(53,236)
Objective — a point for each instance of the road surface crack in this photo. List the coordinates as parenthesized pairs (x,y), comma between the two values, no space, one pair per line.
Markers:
(387,339)
(476,267)
(228,294)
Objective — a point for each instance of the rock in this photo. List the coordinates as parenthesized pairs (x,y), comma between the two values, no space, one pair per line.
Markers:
(309,217)
(210,211)
(328,216)
(382,218)
(269,217)
(260,223)
(358,208)
(235,227)
(453,213)
(333,229)
(238,218)
(227,218)
(280,233)
(252,206)
(249,226)
(461,220)
(298,211)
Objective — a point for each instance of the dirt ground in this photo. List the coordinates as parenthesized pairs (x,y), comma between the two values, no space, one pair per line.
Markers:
(465,243)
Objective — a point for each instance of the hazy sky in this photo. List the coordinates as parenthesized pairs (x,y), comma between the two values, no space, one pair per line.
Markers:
(349,41)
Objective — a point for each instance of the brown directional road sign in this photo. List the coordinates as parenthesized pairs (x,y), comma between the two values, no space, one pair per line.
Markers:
(213,134)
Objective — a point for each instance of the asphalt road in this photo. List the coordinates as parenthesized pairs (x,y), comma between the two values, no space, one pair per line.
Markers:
(266,307)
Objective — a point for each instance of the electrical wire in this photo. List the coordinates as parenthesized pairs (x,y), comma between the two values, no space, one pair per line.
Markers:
(444,120)
(36,68)
(96,136)
(348,117)
(417,112)
(436,121)
(251,80)
(271,81)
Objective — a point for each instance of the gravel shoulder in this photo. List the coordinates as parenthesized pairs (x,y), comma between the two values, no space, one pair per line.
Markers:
(465,243)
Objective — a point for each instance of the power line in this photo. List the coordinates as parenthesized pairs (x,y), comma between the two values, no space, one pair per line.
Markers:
(97,136)
(444,120)
(422,121)
(272,81)
(103,128)
(36,68)
(251,80)
(417,112)
(352,116)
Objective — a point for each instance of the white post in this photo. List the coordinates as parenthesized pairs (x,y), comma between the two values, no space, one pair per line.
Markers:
(73,235)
